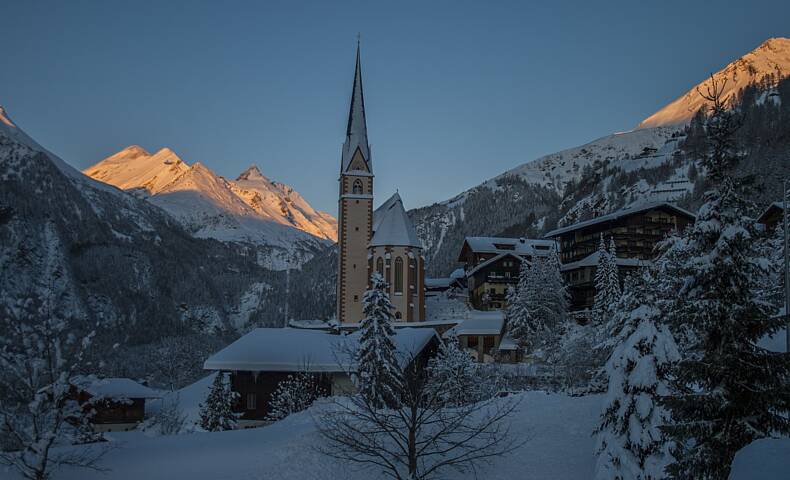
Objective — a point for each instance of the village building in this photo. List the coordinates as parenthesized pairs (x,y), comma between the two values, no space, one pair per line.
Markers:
(261,359)
(492,265)
(773,216)
(118,403)
(483,334)
(635,229)
(383,240)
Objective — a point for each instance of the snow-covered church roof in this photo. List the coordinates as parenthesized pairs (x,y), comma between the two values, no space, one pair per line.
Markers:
(357,130)
(293,349)
(392,227)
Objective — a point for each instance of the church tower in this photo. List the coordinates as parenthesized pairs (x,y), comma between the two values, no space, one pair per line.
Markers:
(355,209)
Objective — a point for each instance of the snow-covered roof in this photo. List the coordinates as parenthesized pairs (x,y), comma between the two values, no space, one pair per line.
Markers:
(591,260)
(479,323)
(291,349)
(458,273)
(357,130)
(508,343)
(438,282)
(629,210)
(491,260)
(114,388)
(520,246)
(392,227)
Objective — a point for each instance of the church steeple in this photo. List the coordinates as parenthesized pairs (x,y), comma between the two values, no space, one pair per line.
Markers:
(357,130)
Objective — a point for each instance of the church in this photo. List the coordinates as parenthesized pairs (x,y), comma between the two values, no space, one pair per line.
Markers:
(383,240)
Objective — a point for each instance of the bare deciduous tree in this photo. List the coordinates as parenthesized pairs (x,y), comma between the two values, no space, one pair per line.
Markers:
(422,438)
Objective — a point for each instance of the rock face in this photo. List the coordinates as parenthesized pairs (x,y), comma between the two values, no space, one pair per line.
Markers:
(770,62)
(250,209)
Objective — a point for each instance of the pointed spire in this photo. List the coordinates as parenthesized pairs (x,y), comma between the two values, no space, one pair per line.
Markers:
(357,130)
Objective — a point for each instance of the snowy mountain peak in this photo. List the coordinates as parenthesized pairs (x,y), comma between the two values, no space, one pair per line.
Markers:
(250,207)
(770,60)
(252,173)
(5,118)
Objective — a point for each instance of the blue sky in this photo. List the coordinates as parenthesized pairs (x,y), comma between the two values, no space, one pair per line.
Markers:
(456,92)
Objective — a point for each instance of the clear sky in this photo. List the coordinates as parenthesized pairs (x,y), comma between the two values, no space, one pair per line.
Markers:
(456,92)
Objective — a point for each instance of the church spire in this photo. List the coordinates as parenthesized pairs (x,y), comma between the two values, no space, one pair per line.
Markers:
(357,130)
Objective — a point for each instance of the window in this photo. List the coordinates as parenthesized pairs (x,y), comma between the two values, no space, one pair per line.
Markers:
(380,266)
(471,342)
(357,188)
(398,316)
(252,401)
(398,275)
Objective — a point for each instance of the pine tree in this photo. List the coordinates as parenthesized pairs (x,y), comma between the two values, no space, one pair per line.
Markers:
(521,323)
(612,274)
(378,371)
(216,414)
(601,302)
(294,394)
(727,391)
(629,440)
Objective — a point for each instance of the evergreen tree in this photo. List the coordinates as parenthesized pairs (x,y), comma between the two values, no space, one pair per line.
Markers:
(601,302)
(216,414)
(727,391)
(294,394)
(612,274)
(378,370)
(629,440)
(521,323)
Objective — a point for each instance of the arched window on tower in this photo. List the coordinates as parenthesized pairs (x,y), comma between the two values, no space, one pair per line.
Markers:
(357,188)
(398,275)
(380,266)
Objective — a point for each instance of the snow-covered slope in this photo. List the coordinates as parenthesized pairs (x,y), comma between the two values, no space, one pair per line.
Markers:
(635,149)
(556,431)
(134,168)
(251,209)
(772,57)
(282,204)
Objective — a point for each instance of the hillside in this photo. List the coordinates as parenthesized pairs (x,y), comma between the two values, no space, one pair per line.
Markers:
(104,256)
(653,162)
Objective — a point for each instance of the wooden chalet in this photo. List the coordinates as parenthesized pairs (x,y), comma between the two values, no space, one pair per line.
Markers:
(261,359)
(492,264)
(483,335)
(118,403)
(772,216)
(636,231)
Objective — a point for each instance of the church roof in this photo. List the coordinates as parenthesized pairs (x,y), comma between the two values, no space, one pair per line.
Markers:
(392,227)
(357,130)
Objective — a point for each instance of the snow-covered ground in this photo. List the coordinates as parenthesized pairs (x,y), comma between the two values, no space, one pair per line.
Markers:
(557,429)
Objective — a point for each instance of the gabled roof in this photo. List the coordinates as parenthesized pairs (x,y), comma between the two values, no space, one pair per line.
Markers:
(491,260)
(591,260)
(623,212)
(392,227)
(479,323)
(114,388)
(357,130)
(293,350)
(520,246)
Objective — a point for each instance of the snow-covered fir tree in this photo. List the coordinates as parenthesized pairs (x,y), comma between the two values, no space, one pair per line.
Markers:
(378,371)
(555,296)
(630,443)
(612,274)
(216,414)
(520,322)
(727,391)
(294,394)
(453,373)
(602,291)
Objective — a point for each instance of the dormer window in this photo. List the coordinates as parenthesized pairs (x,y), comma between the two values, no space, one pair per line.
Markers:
(356,189)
